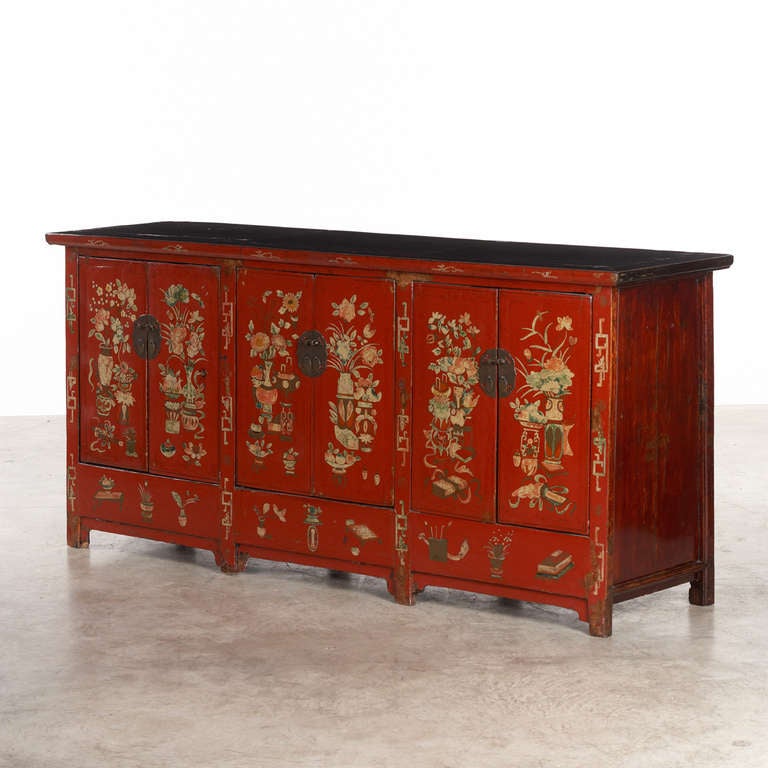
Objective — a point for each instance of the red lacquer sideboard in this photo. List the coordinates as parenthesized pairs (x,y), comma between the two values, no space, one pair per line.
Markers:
(529,421)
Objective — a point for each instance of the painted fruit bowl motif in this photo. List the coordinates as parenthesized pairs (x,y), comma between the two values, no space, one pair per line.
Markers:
(107,483)
(339,461)
(255,430)
(267,396)
(288,382)
(167,449)
(259,451)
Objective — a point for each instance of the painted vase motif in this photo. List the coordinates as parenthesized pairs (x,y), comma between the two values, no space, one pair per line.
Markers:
(105,364)
(182,502)
(173,417)
(498,547)
(436,539)
(312,521)
(146,502)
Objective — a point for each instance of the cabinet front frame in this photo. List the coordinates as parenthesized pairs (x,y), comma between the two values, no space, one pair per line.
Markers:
(406,273)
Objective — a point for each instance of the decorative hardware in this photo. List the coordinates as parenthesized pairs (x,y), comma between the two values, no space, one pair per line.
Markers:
(146,337)
(312,353)
(497,373)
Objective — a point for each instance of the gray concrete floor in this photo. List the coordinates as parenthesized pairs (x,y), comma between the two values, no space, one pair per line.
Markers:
(136,653)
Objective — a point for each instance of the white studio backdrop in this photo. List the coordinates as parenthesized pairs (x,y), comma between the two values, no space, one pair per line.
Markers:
(601,123)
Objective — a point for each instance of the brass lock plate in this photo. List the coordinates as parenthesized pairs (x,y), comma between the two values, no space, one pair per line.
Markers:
(497,373)
(312,353)
(146,337)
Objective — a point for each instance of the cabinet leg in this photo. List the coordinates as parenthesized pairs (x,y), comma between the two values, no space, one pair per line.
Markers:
(600,614)
(702,591)
(78,535)
(231,562)
(401,587)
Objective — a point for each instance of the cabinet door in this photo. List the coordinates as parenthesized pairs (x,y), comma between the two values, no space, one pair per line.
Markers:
(183,378)
(354,397)
(454,421)
(113,417)
(544,423)
(274,400)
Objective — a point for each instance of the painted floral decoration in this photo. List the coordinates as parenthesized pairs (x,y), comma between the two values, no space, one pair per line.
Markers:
(277,341)
(545,359)
(273,379)
(354,355)
(453,399)
(182,371)
(113,310)
(540,409)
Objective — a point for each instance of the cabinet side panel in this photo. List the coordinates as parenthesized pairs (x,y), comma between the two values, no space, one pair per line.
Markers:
(658,452)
